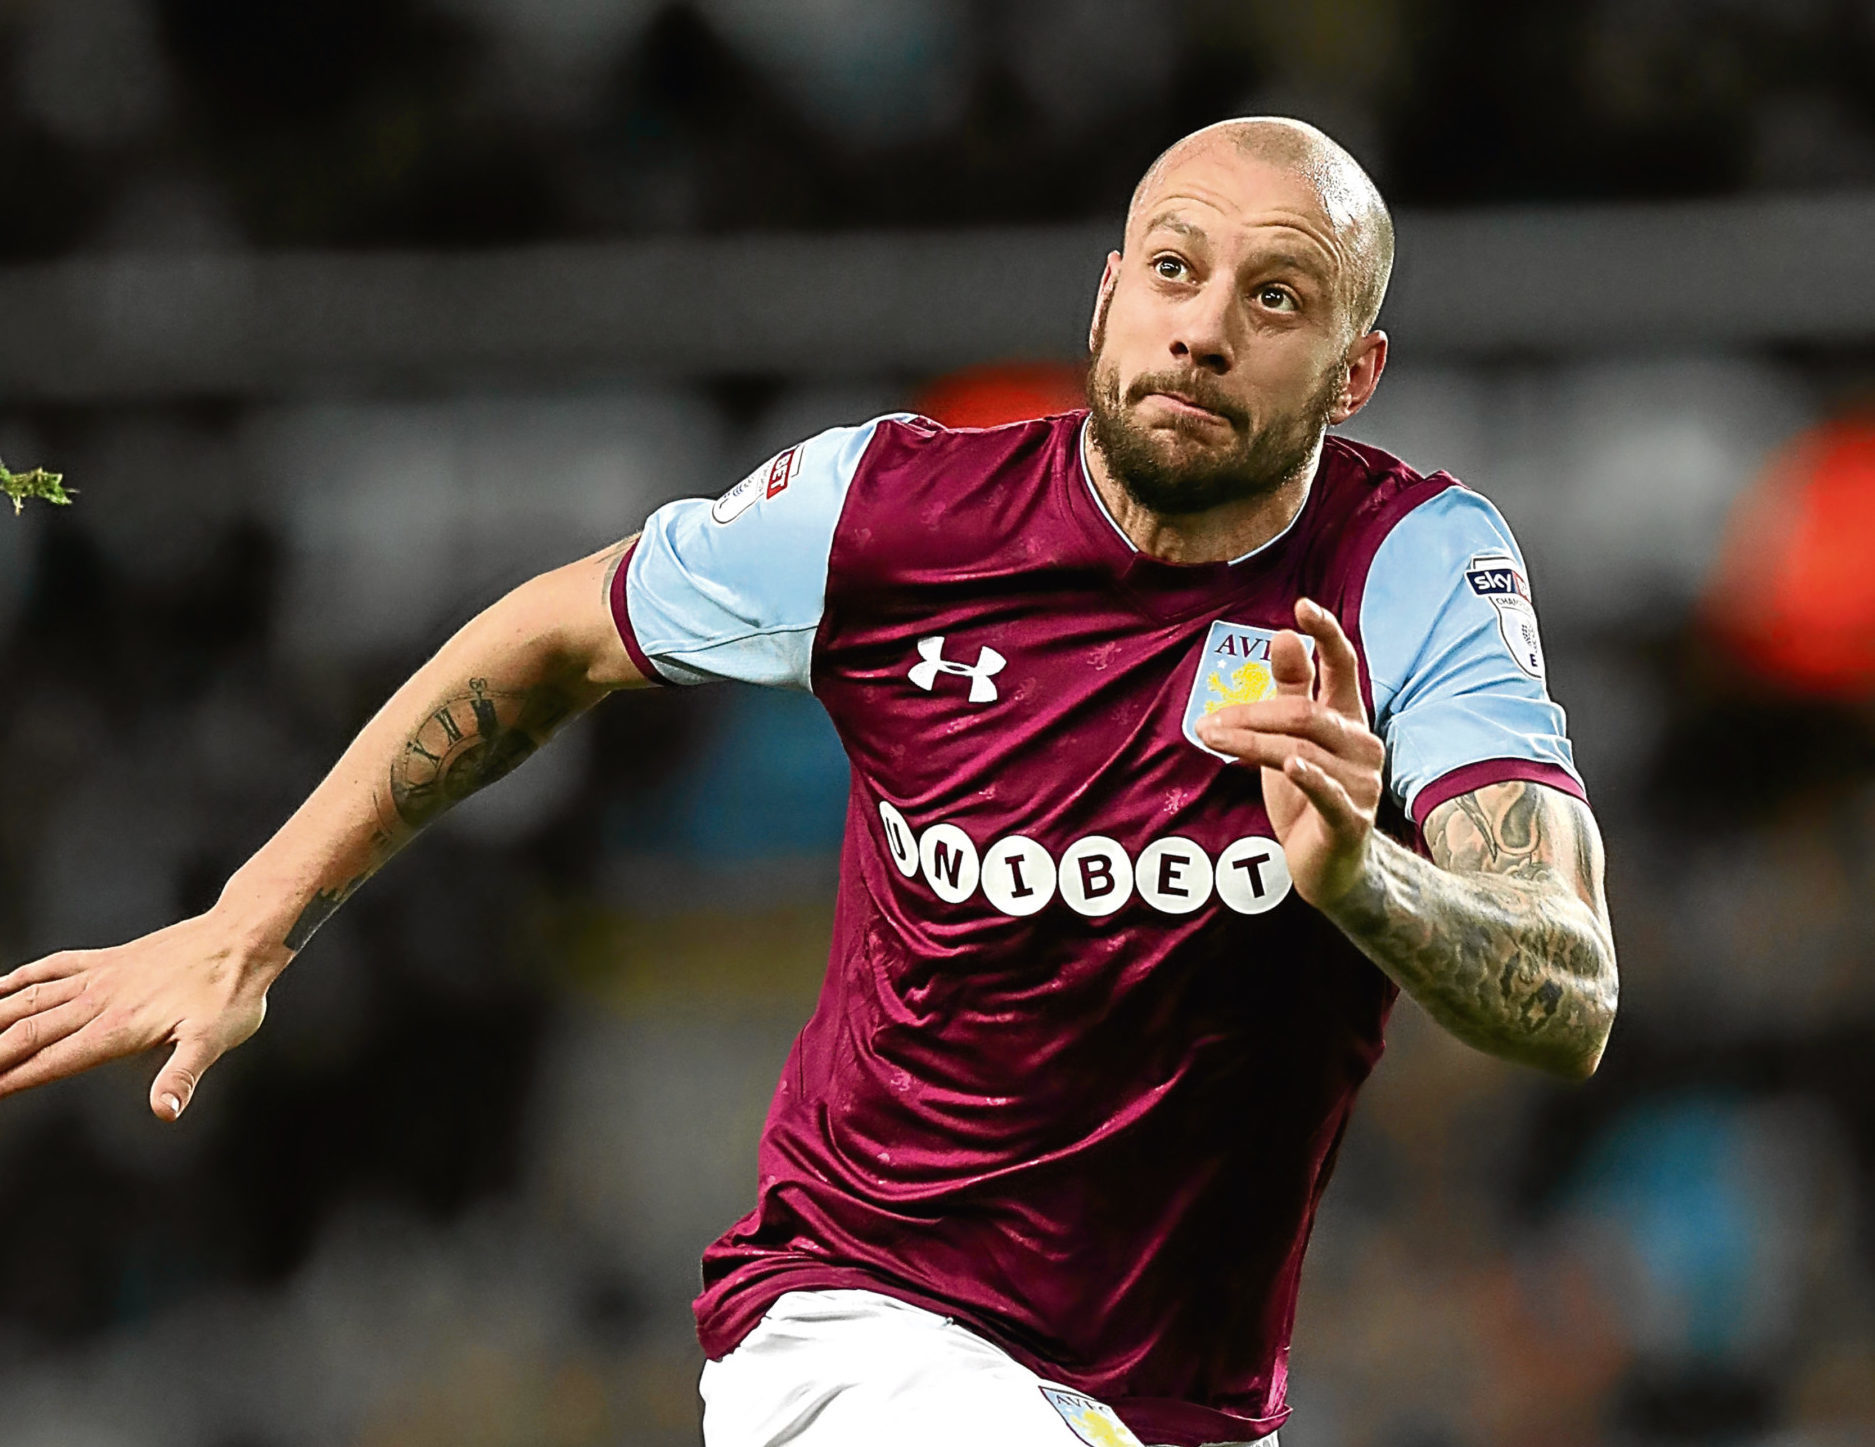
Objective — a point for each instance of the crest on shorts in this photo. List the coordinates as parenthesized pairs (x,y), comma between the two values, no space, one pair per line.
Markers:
(1497,578)
(1095,1423)
(1234,668)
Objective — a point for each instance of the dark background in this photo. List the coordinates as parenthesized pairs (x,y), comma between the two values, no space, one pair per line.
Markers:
(316,306)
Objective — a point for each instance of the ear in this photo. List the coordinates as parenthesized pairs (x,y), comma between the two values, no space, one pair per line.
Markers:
(1367,359)
(1102,301)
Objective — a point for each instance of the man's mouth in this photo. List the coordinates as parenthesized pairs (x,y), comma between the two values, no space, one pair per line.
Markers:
(1185,406)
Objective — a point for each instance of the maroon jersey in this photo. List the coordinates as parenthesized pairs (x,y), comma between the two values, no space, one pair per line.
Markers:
(1082,1059)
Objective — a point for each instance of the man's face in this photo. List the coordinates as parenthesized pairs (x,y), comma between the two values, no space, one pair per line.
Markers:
(1223,346)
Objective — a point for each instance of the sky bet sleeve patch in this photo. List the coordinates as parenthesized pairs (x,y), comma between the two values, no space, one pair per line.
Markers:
(1496,578)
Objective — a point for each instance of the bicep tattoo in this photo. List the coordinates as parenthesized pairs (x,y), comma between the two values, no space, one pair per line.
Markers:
(614,559)
(1521,831)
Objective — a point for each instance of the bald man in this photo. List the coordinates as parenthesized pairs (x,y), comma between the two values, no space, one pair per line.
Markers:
(1148,707)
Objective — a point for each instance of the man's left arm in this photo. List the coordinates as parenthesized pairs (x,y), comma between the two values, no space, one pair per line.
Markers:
(1503,934)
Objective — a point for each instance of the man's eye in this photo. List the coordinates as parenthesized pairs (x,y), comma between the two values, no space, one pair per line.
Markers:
(1277,298)
(1169,268)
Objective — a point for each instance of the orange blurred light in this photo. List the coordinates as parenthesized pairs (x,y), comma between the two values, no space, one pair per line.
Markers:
(1002,392)
(1794,591)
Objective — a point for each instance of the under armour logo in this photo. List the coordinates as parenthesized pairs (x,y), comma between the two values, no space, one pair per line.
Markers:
(981,673)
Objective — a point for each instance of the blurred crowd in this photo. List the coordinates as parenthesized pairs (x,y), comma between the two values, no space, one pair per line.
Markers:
(138,123)
(455,1190)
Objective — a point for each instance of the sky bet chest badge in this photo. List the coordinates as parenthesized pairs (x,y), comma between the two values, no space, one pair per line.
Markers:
(1234,668)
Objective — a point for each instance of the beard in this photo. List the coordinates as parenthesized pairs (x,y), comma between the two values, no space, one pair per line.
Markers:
(1179,468)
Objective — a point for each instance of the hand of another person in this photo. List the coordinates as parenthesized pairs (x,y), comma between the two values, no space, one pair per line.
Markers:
(187,986)
(1321,763)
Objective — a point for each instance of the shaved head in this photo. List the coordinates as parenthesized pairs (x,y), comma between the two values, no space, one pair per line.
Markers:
(1349,199)
(1235,326)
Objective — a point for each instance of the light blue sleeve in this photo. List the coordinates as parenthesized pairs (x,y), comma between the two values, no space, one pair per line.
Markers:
(1452,649)
(734,589)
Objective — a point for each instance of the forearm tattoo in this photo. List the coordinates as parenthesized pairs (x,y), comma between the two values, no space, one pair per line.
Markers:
(1503,937)
(323,906)
(464,743)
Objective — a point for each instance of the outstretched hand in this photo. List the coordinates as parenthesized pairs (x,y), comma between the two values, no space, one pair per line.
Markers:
(185,987)
(1321,764)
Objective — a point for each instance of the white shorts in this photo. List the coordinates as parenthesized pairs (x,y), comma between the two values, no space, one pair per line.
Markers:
(857,1369)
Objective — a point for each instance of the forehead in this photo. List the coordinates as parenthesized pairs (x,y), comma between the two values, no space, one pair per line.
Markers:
(1219,190)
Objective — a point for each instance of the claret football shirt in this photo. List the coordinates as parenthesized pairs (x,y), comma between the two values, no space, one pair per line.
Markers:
(1082,1058)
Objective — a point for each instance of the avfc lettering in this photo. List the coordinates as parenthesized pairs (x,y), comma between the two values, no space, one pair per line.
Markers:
(1241,644)
(1095,876)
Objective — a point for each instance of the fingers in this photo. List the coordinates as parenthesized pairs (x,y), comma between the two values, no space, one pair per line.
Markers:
(21,1041)
(1331,800)
(75,1053)
(1293,718)
(1340,670)
(34,998)
(39,972)
(1291,668)
(176,1082)
(1274,751)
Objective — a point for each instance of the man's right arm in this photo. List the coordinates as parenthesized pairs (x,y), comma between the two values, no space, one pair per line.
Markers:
(733,589)
(489,698)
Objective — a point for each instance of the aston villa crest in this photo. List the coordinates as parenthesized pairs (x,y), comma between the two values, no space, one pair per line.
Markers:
(1234,668)
(1095,1423)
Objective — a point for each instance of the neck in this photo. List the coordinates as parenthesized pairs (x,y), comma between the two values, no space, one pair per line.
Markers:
(1216,535)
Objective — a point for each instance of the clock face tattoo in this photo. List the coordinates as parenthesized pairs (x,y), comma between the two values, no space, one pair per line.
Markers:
(468,742)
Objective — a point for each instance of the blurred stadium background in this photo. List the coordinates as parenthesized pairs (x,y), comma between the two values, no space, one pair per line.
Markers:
(344,316)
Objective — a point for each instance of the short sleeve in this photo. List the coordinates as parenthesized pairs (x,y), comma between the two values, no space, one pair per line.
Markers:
(735,588)
(1450,634)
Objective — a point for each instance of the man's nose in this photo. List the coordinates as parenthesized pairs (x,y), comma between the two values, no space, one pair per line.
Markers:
(1202,335)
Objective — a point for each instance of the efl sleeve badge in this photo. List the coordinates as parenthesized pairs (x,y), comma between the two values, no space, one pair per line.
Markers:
(768,480)
(1496,578)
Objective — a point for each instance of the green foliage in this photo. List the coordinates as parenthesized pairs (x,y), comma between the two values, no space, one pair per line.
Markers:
(47,486)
